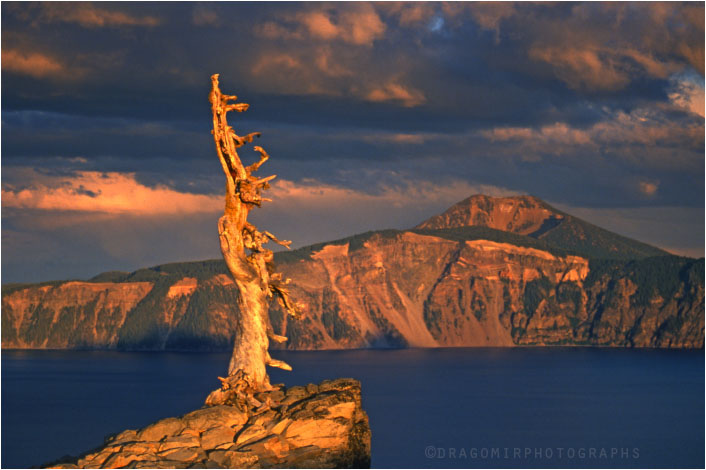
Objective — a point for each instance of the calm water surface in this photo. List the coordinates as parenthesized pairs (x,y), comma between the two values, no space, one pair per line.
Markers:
(441,408)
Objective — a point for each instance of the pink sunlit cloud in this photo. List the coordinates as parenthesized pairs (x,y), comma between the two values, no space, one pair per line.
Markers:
(89,16)
(107,193)
(394,91)
(358,24)
(34,64)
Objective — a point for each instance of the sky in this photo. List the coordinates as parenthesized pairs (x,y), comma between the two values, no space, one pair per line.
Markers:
(376,115)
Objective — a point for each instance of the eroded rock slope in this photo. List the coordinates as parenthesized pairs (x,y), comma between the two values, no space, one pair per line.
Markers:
(445,283)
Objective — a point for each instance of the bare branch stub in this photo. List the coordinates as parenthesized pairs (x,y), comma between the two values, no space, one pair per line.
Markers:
(250,264)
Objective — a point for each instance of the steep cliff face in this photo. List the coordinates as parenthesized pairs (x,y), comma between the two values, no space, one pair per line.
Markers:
(416,290)
(171,312)
(480,299)
(421,291)
(655,302)
(387,290)
(370,295)
(455,286)
(69,315)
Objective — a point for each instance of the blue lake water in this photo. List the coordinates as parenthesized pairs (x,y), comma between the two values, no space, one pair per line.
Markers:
(434,408)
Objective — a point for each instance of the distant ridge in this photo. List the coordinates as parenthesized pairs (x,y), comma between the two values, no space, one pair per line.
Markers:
(487,272)
(518,214)
(532,217)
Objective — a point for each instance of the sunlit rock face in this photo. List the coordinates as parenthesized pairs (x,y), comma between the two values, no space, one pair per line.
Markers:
(424,291)
(317,426)
(520,214)
(420,291)
(150,315)
(534,218)
(447,284)
(69,314)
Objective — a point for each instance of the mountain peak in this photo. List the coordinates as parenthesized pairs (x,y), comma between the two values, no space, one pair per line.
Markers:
(525,214)
(530,216)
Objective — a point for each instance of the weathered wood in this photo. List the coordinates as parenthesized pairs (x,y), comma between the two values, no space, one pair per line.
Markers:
(249,263)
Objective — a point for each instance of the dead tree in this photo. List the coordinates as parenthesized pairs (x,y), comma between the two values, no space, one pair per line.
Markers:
(249,263)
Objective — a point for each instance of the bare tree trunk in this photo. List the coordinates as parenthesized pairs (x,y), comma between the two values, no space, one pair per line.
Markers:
(252,272)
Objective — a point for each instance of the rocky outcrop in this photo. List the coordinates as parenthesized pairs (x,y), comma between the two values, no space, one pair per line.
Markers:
(534,218)
(525,215)
(456,286)
(317,426)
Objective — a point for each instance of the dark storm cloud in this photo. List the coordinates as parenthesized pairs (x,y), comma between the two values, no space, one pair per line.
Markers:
(46,134)
(590,105)
(389,70)
(158,69)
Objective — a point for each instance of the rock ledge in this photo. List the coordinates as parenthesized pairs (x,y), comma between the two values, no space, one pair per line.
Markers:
(317,426)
